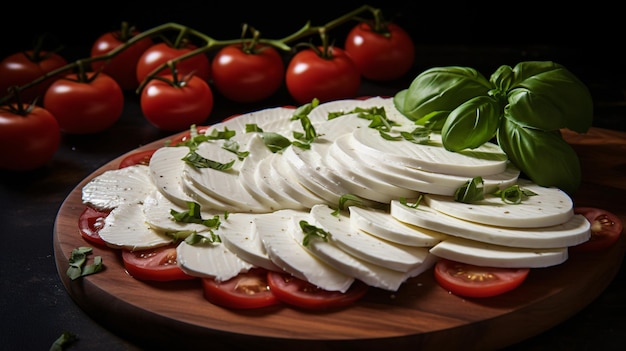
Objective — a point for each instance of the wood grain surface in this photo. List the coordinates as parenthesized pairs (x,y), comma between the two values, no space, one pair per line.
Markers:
(420,315)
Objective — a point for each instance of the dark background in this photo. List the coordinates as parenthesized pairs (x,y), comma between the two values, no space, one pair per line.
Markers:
(588,39)
(35,307)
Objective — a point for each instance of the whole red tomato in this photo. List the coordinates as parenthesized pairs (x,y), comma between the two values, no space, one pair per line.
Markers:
(327,77)
(123,66)
(24,67)
(29,137)
(381,55)
(174,105)
(85,105)
(160,53)
(247,75)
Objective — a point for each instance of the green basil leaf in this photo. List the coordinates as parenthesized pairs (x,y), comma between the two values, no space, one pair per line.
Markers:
(471,124)
(544,156)
(547,96)
(440,89)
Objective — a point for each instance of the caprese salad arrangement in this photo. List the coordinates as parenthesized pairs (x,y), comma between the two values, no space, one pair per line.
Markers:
(314,206)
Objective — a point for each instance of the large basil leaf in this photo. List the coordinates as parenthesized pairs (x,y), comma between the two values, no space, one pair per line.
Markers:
(544,156)
(547,96)
(440,89)
(471,124)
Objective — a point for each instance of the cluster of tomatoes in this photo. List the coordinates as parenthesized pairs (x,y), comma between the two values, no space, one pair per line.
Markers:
(176,79)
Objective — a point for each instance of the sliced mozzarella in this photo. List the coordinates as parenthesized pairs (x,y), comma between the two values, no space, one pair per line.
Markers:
(488,255)
(270,182)
(347,106)
(239,235)
(432,157)
(210,261)
(573,232)
(357,181)
(308,164)
(248,174)
(126,227)
(286,181)
(157,211)
(273,229)
(381,224)
(118,186)
(207,202)
(383,171)
(224,185)
(275,119)
(305,166)
(365,246)
(551,206)
(367,272)
(166,169)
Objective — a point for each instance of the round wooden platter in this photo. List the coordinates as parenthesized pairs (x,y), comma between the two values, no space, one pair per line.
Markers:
(420,315)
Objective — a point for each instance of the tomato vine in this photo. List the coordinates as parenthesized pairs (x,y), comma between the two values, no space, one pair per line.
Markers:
(209,43)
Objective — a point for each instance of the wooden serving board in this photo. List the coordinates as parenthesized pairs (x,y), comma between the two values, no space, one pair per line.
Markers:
(421,315)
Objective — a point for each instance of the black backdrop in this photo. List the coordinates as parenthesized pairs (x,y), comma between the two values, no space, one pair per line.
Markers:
(588,39)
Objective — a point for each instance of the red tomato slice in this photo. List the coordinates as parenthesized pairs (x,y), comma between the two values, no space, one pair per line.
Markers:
(89,224)
(302,294)
(137,158)
(245,291)
(606,228)
(158,264)
(473,281)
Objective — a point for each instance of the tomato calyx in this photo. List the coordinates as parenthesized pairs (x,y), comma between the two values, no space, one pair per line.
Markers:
(19,108)
(176,80)
(125,33)
(38,53)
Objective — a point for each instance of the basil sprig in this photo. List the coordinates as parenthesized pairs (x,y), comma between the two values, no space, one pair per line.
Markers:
(78,266)
(523,108)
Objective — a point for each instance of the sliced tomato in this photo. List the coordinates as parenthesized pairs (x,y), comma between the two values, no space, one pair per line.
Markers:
(474,281)
(157,264)
(606,228)
(89,224)
(245,291)
(299,293)
(137,158)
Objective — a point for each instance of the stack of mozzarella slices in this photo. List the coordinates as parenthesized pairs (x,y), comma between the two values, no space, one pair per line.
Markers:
(389,237)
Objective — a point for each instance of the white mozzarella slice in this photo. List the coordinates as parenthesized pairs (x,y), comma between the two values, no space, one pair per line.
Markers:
(248,173)
(384,171)
(307,169)
(224,185)
(433,157)
(273,184)
(166,169)
(573,232)
(126,227)
(156,209)
(357,181)
(210,261)
(275,119)
(115,187)
(365,246)
(239,235)
(551,206)
(286,181)
(207,202)
(491,182)
(383,225)
(346,106)
(367,272)
(489,255)
(273,229)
